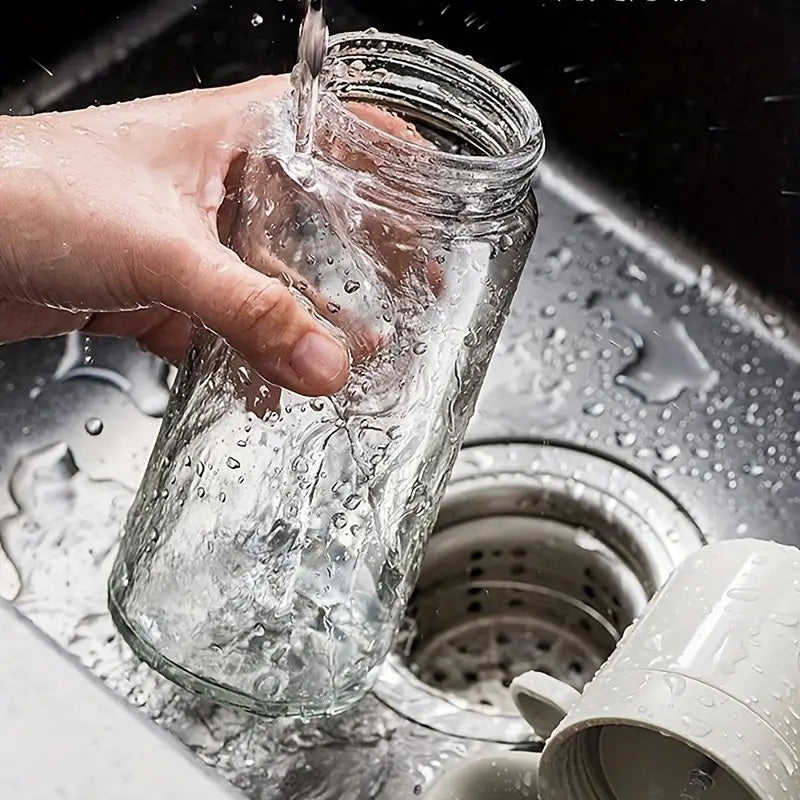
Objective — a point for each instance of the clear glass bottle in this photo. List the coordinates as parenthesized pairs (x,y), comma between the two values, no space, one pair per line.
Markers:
(275,539)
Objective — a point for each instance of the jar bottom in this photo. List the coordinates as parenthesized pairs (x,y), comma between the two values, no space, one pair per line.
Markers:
(227,695)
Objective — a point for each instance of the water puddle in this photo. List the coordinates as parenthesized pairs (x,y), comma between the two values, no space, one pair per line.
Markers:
(62,538)
(668,361)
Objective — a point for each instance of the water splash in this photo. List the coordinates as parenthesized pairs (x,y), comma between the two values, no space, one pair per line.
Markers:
(668,363)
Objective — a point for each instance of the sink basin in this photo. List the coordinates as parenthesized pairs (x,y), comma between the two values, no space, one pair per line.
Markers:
(643,400)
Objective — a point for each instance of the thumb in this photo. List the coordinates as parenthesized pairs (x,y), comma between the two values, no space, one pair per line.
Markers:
(260,318)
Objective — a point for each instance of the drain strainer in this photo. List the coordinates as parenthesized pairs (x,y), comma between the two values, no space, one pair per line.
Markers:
(541,557)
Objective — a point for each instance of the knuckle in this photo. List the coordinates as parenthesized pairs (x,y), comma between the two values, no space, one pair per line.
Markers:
(270,308)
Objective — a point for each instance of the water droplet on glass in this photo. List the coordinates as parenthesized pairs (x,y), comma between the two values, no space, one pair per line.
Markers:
(233,463)
(352,502)
(339,520)
(300,465)
(352,286)
(505,242)
(419,348)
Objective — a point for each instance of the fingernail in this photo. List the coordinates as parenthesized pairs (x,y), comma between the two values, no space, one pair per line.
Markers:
(318,359)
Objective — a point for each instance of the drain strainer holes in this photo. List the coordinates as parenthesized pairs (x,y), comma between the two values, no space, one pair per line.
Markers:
(542,556)
(530,607)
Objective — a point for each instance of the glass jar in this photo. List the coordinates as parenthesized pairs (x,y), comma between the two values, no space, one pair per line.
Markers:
(275,539)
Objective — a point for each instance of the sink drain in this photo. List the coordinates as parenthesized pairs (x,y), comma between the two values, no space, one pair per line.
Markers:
(541,557)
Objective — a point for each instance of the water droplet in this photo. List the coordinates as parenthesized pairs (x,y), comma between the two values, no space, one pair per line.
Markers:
(753,469)
(352,502)
(695,726)
(668,360)
(787,620)
(556,261)
(339,520)
(93,426)
(662,472)
(505,242)
(594,409)
(625,438)
(352,286)
(300,465)
(558,335)
(708,702)
(653,643)
(317,404)
(668,452)
(677,289)
(419,348)
(675,683)
(633,272)
(334,308)
(256,20)
(744,594)
(233,463)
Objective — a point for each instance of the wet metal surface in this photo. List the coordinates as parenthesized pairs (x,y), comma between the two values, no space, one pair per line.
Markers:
(621,341)
(727,455)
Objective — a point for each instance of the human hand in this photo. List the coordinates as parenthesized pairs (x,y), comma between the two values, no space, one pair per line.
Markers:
(108,224)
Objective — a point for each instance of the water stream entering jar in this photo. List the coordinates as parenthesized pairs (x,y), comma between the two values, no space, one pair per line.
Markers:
(311,51)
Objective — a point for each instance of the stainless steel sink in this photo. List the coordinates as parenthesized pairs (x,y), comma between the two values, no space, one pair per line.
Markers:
(642,402)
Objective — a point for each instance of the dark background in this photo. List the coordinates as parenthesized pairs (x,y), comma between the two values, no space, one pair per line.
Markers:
(690,109)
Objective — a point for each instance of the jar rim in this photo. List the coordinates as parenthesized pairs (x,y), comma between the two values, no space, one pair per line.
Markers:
(517,135)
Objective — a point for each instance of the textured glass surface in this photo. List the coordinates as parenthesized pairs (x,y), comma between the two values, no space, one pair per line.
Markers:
(275,538)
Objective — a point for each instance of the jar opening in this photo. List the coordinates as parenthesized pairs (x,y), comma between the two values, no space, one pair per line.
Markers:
(487,136)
